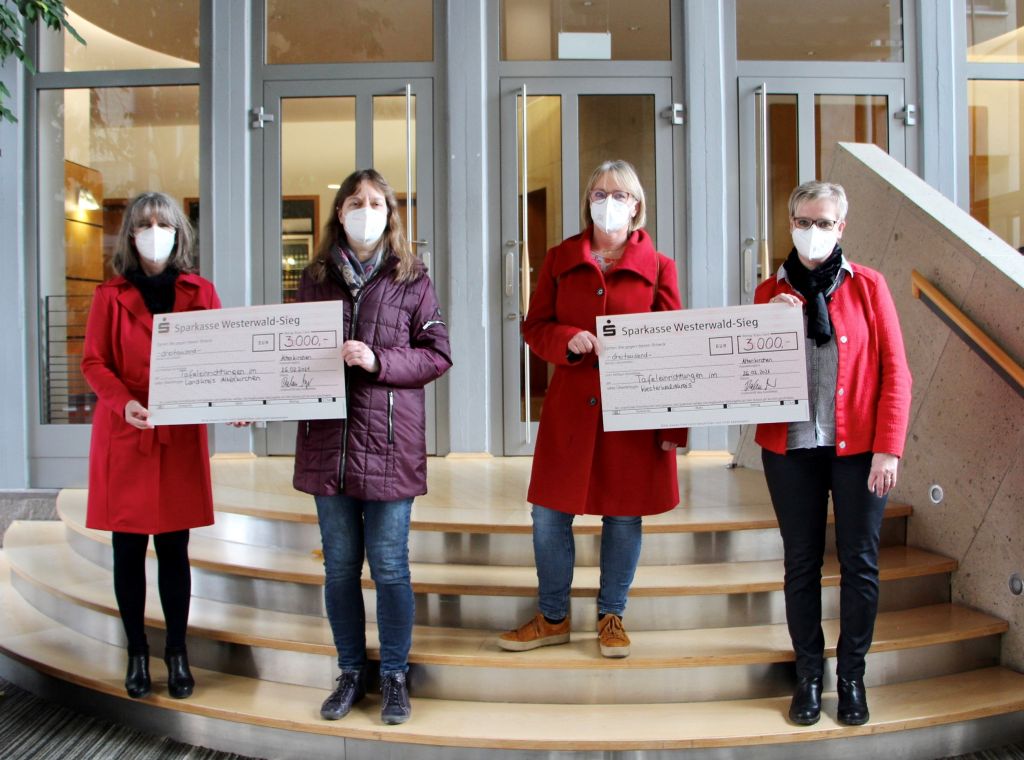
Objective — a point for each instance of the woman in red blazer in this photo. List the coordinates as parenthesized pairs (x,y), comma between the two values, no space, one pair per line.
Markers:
(609,268)
(859,386)
(146,480)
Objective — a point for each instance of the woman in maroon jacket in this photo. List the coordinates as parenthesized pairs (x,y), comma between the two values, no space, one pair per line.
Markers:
(365,470)
(859,386)
(578,468)
(146,480)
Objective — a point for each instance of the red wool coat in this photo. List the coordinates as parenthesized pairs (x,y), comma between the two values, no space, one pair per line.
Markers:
(577,467)
(140,481)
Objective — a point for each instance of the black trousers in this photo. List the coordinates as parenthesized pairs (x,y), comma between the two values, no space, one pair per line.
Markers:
(799,483)
(174,581)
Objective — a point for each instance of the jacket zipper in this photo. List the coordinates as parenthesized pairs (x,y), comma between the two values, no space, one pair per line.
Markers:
(351,334)
(344,424)
(391,420)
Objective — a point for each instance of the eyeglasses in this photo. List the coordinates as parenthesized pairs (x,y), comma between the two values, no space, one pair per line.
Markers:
(803,223)
(598,196)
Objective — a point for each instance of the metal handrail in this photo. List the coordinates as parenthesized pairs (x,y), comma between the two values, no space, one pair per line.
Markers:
(976,339)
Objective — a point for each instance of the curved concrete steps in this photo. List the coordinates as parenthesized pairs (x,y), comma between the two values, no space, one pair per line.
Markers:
(31,638)
(689,665)
(710,671)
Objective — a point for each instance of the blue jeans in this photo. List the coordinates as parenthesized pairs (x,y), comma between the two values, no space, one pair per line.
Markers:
(555,556)
(350,528)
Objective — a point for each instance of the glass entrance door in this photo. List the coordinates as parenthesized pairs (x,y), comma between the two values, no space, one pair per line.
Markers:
(788,134)
(320,132)
(553,134)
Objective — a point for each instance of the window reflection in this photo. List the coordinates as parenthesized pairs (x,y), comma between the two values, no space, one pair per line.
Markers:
(390,155)
(996,135)
(621,126)
(549,30)
(157,34)
(543,223)
(318,150)
(848,118)
(994,31)
(349,31)
(822,30)
(783,172)
(98,148)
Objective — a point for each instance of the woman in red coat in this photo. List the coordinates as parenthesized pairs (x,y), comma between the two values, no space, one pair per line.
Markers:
(609,268)
(859,386)
(145,480)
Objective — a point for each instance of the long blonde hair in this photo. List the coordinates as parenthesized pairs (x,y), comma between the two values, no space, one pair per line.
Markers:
(141,211)
(334,232)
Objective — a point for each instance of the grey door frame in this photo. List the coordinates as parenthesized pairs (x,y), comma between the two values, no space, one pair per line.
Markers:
(279,438)
(805,88)
(519,436)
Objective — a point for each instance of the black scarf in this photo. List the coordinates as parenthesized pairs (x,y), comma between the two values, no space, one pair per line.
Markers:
(157,291)
(813,284)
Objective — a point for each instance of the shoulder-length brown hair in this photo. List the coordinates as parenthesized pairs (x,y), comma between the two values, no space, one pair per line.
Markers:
(394,238)
(140,212)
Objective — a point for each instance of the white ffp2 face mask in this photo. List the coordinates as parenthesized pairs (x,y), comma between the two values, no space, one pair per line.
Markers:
(610,215)
(815,244)
(365,225)
(155,243)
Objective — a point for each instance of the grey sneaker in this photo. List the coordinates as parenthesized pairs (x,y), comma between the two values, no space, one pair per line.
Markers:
(350,689)
(394,702)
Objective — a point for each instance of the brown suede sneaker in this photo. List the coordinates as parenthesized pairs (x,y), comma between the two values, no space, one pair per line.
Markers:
(537,632)
(611,634)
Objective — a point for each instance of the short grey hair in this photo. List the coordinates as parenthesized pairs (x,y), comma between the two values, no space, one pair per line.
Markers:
(815,190)
(626,177)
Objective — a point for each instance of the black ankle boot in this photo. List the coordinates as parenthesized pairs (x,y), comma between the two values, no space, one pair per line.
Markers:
(136,680)
(180,682)
(805,709)
(853,702)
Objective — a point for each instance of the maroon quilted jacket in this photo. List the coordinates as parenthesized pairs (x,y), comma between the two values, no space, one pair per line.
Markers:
(379,451)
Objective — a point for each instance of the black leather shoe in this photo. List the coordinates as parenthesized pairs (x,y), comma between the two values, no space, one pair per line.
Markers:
(853,702)
(180,682)
(136,680)
(805,709)
(350,689)
(394,706)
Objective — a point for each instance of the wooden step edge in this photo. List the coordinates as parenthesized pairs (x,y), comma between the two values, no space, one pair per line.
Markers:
(429,642)
(924,564)
(916,704)
(892,512)
(650,527)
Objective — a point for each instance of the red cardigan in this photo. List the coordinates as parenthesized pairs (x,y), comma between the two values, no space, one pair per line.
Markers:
(873,380)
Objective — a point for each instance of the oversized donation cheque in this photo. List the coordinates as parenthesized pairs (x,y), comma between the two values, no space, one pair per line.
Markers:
(724,366)
(279,362)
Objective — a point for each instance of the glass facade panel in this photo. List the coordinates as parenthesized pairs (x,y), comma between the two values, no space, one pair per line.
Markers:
(349,31)
(995,31)
(543,223)
(848,118)
(391,156)
(822,30)
(620,126)
(783,172)
(318,150)
(551,30)
(98,148)
(996,137)
(157,34)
